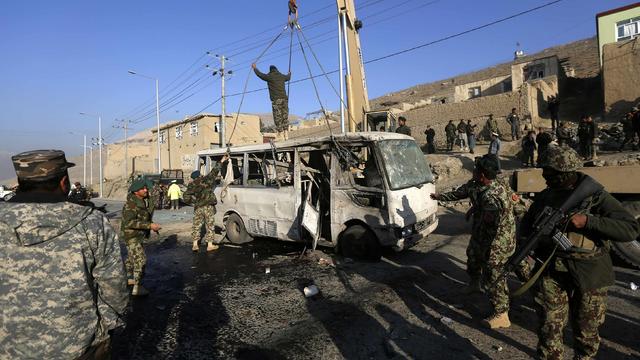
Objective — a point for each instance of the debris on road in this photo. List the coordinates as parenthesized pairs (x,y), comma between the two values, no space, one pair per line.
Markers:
(310,290)
(633,286)
(497,348)
(445,320)
(267,270)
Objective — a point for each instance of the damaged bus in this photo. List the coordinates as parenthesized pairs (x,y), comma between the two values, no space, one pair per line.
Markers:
(358,191)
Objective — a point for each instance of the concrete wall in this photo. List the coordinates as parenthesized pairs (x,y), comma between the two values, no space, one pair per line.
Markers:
(621,77)
(607,29)
(488,87)
(139,159)
(536,93)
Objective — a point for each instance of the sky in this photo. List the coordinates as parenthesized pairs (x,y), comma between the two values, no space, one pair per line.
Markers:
(60,58)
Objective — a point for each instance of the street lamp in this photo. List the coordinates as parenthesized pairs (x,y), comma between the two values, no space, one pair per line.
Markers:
(100,141)
(90,164)
(157,115)
(84,165)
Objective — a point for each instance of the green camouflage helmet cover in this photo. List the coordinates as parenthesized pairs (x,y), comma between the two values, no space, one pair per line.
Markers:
(40,164)
(562,159)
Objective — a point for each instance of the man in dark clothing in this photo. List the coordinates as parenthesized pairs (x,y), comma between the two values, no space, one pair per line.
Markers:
(450,131)
(553,106)
(543,139)
(586,135)
(563,133)
(514,120)
(403,128)
(471,135)
(462,135)
(278,95)
(627,129)
(635,122)
(431,138)
(574,284)
(528,148)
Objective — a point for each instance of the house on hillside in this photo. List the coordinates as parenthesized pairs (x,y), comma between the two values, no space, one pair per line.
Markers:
(615,25)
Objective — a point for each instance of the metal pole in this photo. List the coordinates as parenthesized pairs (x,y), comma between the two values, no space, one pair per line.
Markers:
(342,127)
(223,140)
(348,77)
(158,127)
(84,164)
(91,164)
(100,144)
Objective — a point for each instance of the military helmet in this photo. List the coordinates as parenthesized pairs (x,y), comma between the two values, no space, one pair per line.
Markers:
(562,159)
(487,163)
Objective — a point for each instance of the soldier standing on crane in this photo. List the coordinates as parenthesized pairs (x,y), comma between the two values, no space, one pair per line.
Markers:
(278,95)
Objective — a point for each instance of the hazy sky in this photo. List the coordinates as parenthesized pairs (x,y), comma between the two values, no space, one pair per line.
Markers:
(60,58)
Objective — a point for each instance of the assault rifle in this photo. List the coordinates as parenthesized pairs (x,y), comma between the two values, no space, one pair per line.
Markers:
(550,222)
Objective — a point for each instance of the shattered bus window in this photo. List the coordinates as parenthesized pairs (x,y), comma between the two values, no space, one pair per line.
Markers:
(405,164)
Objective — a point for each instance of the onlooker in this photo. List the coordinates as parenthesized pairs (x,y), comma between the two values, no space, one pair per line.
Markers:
(636,121)
(431,138)
(450,132)
(553,106)
(174,193)
(403,128)
(627,128)
(63,286)
(494,148)
(528,149)
(492,126)
(563,133)
(586,136)
(382,129)
(462,135)
(471,135)
(514,121)
(543,139)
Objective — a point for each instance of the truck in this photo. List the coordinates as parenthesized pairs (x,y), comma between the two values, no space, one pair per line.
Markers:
(623,182)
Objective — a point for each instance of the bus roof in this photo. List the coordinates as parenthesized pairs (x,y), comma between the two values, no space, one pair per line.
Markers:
(292,143)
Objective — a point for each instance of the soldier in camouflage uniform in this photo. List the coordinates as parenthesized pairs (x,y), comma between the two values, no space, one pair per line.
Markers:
(493,235)
(63,284)
(278,95)
(574,284)
(136,226)
(200,195)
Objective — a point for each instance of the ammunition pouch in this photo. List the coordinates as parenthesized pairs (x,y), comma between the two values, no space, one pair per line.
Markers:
(582,243)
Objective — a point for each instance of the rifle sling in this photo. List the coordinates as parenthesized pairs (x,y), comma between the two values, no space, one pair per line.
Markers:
(535,276)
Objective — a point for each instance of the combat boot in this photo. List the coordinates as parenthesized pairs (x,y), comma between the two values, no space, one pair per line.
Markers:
(473,287)
(497,321)
(139,290)
(195,247)
(212,247)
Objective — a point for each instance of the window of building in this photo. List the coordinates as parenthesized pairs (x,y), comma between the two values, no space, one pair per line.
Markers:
(534,71)
(179,132)
(475,92)
(193,129)
(163,137)
(627,29)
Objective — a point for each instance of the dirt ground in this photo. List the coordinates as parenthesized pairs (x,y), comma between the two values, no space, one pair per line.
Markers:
(248,303)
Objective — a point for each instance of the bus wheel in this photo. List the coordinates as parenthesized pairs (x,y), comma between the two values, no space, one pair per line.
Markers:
(630,251)
(360,243)
(236,232)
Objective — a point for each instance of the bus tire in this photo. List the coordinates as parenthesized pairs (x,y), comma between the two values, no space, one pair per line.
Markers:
(359,242)
(236,232)
(630,251)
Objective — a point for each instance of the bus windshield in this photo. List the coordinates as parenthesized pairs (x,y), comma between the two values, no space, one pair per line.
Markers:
(404,163)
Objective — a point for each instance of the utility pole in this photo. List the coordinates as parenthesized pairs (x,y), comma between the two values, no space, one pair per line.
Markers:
(125,126)
(223,73)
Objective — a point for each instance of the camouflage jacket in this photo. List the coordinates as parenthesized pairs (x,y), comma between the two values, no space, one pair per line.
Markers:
(136,218)
(472,191)
(607,221)
(62,280)
(200,191)
(497,229)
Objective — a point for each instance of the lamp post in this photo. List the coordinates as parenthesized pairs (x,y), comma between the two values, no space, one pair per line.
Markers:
(90,163)
(157,114)
(100,141)
(84,155)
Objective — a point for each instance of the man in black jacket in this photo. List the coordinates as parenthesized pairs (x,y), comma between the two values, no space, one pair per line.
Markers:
(431,138)
(278,95)
(574,284)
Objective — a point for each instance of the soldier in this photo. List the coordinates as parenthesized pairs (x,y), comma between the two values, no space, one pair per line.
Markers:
(514,120)
(462,135)
(543,139)
(492,237)
(136,226)
(450,132)
(63,285)
(627,128)
(492,126)
(403,128)
(431,140)
(200,194)
(574,285)
(278,95)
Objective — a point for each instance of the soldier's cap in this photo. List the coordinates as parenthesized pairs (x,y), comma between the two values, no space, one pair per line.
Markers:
(40,164)
(149,183)
(488,163)
(137,185)
(195,174)
(562,159)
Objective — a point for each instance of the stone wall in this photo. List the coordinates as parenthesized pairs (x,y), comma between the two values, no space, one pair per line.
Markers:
(621,78)
(438,115)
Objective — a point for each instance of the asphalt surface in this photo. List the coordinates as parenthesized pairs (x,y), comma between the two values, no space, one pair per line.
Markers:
(247,303)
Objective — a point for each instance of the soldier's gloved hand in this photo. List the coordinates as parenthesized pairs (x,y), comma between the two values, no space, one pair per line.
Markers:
(155,227)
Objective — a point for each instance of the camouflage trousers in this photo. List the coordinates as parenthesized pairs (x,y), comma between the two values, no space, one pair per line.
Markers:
(485,263)
(203,215)
(280,108)
(561,301)
(136,260)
